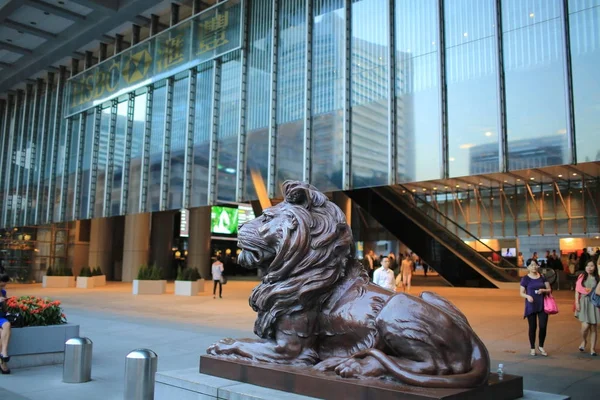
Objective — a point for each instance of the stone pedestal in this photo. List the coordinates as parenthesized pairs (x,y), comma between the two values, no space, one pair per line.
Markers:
(136,245)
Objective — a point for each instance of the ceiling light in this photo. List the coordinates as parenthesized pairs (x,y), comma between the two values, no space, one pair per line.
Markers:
(46,13)
(560,175)
(469,185)
(445,187)
(505,181)
(457,185)
(465,34)
(597,237)
(531,15)
(21,32)
(518,180)
(9,40)
(414,190)
(574,174)
(424,189)
(434,188)
(492,198)
(488,133)
(481,183)
(404,191)
(61,2)
(451,158)
(532,179)
(33,23)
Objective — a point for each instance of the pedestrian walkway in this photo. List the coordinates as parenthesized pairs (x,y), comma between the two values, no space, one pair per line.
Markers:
(179,329)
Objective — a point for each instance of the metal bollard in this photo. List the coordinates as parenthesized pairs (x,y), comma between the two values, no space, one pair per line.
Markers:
(140,369)
(77,367)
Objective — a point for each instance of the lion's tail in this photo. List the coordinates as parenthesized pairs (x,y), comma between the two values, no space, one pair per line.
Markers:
(477,376)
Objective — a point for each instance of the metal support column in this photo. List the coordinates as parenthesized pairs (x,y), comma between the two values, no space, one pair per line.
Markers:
(127,158)
(46,140)
(64,200)
(35,121)
(271,168)
(241,144)
(110,160)
(11,155)
(62,77)
(213,159)
(174,14)
(501,90)
(441,41)
(94,165)
(4,154)
(24,138)
(307,159)
(135,34)
(79,167)
(166,153)
(154,24)
(188,156)
(392,106)
(347,143)
(146,150)
(103,52)
(569,82)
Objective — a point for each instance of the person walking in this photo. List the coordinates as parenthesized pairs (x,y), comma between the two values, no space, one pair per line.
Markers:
(5,327)
(585,311)
(406,271)
(217,275)
(384,276)
(533,288)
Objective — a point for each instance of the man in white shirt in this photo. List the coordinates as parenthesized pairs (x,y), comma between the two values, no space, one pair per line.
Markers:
(217,275)
(384,276)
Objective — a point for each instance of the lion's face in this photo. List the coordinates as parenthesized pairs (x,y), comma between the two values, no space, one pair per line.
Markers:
(260,238)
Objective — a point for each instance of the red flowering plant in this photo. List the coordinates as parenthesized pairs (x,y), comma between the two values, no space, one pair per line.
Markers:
(36,311)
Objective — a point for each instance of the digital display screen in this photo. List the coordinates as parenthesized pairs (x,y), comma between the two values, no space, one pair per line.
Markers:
(224,220)
(245,214)
(508,252)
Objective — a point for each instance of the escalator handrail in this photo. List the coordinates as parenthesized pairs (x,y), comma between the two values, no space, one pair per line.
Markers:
(503,261)
(486,265)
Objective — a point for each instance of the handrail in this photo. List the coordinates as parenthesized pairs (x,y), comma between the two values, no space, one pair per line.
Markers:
(503,261)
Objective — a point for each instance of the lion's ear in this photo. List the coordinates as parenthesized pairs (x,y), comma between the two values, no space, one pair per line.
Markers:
(296,193)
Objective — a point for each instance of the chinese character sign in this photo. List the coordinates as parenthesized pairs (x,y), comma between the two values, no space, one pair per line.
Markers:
(208,35)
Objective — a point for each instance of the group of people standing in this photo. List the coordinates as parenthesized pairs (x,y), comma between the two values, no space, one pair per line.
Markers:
(386,272)
(534,288)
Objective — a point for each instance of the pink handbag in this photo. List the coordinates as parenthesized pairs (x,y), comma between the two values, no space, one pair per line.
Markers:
(550,306)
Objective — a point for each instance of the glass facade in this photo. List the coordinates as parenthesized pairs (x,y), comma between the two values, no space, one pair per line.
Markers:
(345,94)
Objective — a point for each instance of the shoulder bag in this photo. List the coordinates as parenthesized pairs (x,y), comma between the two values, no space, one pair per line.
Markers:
(550,306)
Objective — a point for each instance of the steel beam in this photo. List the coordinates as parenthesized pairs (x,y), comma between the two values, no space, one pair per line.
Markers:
(28,29)
(24,138)
(213,160)
(79,167)
(127,156)
(347,123)
(3,153)
(307,156)
(188,157)
(52,9)
(94,165)
(166,153)
(501,89)
(15,49)
(392,101)
(110,160)
(241,143)
(11,161)
(64,184)
(568,77)
(62,77)
(443,90)
(272,166)
(39,217)
(143,205)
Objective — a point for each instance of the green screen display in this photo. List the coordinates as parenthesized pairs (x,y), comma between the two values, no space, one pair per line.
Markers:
(224,220)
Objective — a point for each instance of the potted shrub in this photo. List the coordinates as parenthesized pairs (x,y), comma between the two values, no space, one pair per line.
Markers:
(99,277)
(60,277)
(149,281)
(39,337)
(85,280)
(187,282)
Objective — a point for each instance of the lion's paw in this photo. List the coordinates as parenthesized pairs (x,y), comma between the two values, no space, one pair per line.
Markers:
(349,369)
(329,364)
(227,347)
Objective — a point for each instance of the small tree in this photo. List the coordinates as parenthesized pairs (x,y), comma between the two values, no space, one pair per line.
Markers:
(85,272)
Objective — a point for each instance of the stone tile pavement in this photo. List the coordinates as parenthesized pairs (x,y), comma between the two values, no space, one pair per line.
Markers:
(179,329)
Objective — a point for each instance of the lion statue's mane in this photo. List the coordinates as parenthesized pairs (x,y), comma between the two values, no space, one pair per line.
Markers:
(303,272)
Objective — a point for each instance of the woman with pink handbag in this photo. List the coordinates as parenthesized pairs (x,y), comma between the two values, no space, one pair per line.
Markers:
(533,288)
(585,311)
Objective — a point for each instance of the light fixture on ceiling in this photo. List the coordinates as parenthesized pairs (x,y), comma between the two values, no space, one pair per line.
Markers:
(532,179)
(424,189)
(451,158)
(46,13)
(560,175)
(505,181)
(414,190)
(465,34)
(33,23)
(597,237)
(469,185)
(21,32)
(457,185)
(518,180)
(531,15)
(61,2)
(404,191)
(574,174)
(435,188)
(9,40)
(445,187)
(481,183)
(488,133)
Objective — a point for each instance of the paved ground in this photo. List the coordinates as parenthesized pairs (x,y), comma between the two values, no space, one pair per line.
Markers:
(179,329)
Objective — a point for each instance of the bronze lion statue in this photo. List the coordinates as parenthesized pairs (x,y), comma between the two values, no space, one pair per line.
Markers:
(316,307)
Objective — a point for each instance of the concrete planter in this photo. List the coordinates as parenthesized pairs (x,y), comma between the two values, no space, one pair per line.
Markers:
(58,282)
(187,288)
(34,346)
(149,287)
(99,280)
(84,282)
(201,285)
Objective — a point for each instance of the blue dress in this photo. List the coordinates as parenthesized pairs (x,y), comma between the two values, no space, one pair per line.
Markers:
(2,319)
(531,285)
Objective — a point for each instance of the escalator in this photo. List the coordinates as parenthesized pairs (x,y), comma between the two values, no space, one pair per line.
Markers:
(458,263)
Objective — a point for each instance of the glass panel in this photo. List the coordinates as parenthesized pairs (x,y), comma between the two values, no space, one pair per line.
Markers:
(38,157)
(585,58)
(59,169)
(101,164)
(178,145)
(86,166)
(119,159)
(327,95)
(370,70)
(291,88)
(202,126)
(258,95)
(473,139)
(156,147)
(137,148)
(71,167)
(229,123)
(418,133)
(47,165)
(535,90)
(13,162)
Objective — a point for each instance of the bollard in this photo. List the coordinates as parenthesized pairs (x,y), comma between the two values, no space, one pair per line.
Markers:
(77,367)
(140,369)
